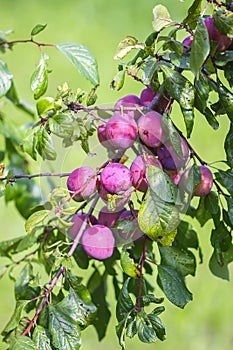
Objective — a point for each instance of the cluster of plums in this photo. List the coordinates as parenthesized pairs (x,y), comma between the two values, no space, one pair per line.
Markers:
(132,121)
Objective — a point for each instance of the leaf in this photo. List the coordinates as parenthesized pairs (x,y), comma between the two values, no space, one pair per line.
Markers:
(126,45)
(183,92)
(23,289)
(173,286)
(37,29)
(223,58)
(223,20)
(221,238)
(22,343)
(226,98)
(226,179)
(172,134)
(157,325)
(228,73)
(221,270)
(182,261)
(200,48)
(161,17)
(15,318)
(39,79)
(44,145)
(5,78)
(118,81)
(12,96)
(61,125)
(193,14)
(124,303)
(35,219)
(146,333)
(228,146)
(44,105)
(9,247)
(211,203)
(82,59)
(63,327)
(230,209)
(128,265)
(202,215)
(41,338)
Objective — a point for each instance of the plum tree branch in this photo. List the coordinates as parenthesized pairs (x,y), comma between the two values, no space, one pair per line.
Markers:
(31,176)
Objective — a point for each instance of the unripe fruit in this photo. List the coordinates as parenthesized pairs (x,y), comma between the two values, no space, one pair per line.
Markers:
(107,217)
(121,131)
(116,178)
(129,101)
(82,182)
(170,159)
(78,221)
(98,242)
(206,183)
(139,171)
(150,129)
(223,41)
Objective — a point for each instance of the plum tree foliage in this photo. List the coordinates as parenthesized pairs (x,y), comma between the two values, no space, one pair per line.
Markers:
(143,231)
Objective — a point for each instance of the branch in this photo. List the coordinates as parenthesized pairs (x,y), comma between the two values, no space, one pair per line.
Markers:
(12,42)
(30,176)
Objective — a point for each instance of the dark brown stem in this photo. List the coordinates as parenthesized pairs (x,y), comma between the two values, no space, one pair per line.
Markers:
(12,42)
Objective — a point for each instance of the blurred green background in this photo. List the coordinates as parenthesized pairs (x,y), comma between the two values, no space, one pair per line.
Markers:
(100,24)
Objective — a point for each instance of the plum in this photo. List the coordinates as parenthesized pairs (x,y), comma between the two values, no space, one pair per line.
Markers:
(187,42)
(147,96)
(119,201)
(77,223)
(129,101)
(170,159)
(121,131)
(174,176)
(98,242)
(107,217)
(101,132)
(139,171)
(206,183)
(150,129)
(82,183)
(116,178)
(222,40)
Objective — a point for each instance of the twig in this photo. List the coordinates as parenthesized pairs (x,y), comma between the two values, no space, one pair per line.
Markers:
(30,176)
(143,258)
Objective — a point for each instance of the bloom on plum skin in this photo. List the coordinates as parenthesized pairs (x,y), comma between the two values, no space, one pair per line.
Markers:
(82,183)
(116,178)
(98,242)
(78,220)
(121,131)
(150,129)
(129,101)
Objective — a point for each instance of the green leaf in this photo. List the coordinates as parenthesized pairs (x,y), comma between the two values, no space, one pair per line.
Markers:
(223,20)
(220,268)
(226,98)
(193,14)
(228,73)
(61,125)
(221,238)
(230,209)
(200,48)
(161,17)
(126,45)
(37,29)
(22,343)
(228,145)
(202,215)
(39,79)
(82,59)
(12,96)
(226,179)
(128,265)
(15,318)
(35,219)
(29,144)
(41,338)
(211,203)
(157,325)
(103,314)
(182,261)
(118,81)
(172,134)
(5,78)
(146,333)
(173,285)
(23,289)
(183,92)
(44,105)
(124,303)
(223,58)
(9,247)
(44,145)
(63,327)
